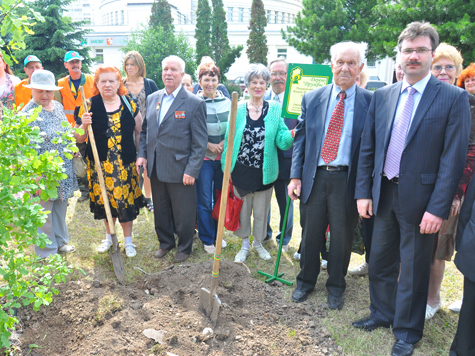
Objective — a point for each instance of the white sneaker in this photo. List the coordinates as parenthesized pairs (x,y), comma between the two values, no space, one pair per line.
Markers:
(324,264)
(297,256)
(242,254)
(360,270)
(223,243)
(285,248)
(262,252)
(430,312)
(130,250)
(210,249)
(105,245)
(456,306)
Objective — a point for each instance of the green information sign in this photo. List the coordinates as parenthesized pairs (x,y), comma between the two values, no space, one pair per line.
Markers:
(302,78)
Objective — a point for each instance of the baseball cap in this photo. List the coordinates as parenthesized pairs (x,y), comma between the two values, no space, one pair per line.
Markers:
(31,58)
(71,55)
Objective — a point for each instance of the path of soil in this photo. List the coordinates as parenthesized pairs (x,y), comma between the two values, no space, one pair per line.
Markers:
(255,318)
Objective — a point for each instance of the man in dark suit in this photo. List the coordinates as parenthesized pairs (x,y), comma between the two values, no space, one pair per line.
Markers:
(278,78)
(323,171)
(464,341)
(411,159)
(172,146)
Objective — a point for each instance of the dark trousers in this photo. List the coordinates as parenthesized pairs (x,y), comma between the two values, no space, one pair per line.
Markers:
(368,226)
(174,203)
(464,341)
(323,252)
(83,182)
(281,194)
(327,198)
(399,245)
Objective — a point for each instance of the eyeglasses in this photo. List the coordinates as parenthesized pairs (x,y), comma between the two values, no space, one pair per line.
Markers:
(420,50)
(280,74)
(448,69)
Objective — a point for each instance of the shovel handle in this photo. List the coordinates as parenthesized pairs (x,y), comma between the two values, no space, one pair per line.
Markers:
(224,190)
(97,161)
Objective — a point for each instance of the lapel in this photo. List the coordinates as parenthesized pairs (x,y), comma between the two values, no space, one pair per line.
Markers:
(177,103)
(152,119)
(430,92)
(359,117)
(320,114)
(393,98)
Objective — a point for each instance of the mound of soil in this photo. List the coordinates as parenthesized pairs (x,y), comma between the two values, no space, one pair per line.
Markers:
(97,318)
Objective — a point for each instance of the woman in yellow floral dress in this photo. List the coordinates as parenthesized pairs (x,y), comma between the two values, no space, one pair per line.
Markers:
(115,118)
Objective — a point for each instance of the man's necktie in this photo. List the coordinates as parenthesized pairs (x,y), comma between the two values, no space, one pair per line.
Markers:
(276,99)
(398,137)
(332,138)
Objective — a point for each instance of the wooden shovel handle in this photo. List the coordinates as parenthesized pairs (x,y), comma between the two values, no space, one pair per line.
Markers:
(97,161)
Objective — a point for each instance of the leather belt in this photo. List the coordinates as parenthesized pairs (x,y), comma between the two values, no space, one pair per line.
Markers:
(395,180)
(333,168)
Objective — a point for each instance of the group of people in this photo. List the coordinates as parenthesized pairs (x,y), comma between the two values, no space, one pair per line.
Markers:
(402,158)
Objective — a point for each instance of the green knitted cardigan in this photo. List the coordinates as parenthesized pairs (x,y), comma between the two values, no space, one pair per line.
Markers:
(276,135)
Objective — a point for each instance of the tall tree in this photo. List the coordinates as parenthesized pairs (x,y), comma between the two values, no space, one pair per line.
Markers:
(162,15)
(323,23)
(224,55)
(145,40)
(54,37)
(203,30)
(257,42)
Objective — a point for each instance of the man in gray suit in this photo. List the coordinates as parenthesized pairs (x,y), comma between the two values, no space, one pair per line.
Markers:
(172,146)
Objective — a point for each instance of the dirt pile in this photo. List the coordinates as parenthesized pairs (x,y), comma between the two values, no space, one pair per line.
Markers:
(90,317)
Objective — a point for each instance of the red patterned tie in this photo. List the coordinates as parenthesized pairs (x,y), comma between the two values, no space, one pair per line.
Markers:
(332,138)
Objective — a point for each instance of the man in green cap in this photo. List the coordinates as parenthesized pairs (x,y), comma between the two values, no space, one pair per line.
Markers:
(23,94)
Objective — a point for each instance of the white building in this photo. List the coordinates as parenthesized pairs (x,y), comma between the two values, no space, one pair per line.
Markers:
(112,21)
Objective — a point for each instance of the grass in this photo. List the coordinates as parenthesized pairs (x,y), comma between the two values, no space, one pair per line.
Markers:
(86,234)
(108,305)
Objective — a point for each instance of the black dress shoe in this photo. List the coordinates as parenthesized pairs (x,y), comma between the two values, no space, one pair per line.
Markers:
(402,348)
(161,252)
(267,238)
(369,324)
(299,296)
(181,256)
(335,302)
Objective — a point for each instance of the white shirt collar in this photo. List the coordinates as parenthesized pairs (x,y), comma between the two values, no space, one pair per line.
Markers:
(419,86)
(175,92)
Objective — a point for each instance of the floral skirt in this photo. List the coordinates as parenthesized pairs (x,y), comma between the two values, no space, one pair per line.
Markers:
(122,188)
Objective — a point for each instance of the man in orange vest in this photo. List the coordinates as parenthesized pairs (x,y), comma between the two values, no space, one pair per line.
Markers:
(23,94)
(70,97)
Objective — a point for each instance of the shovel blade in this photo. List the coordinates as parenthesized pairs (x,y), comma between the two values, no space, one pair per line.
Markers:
(117,261)
(209,305)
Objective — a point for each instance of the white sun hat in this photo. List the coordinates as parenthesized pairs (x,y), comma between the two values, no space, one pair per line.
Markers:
(43,80)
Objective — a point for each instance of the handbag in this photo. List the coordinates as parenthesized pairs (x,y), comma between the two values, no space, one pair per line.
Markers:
(79,166)
(233,209)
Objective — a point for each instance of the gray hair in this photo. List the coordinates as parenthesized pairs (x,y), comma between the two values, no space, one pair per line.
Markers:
(257,70)
(280,59)
(337,47)
(416,29)
(174,58)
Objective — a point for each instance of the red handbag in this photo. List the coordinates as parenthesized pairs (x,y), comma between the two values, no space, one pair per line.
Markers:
(233,209)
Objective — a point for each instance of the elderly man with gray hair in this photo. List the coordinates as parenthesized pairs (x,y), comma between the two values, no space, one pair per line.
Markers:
(172,146)
(260,130)
(323,172)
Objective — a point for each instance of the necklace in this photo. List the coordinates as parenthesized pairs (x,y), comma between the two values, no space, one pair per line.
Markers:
(256,107)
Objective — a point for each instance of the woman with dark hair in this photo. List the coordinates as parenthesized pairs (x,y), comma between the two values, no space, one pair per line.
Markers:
(115,119)
(7,85)
(139,88)
(211,175)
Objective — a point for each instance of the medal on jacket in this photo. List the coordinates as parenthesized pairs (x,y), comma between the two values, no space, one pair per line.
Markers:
(158,107)
(179,114)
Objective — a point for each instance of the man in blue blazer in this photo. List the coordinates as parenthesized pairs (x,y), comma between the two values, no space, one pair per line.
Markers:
(323,172)
(411,159)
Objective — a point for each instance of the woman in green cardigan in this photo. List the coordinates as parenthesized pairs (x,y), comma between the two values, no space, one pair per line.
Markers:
(260,130)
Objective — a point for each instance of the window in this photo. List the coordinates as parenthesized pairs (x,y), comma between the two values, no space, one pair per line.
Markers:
(230,14)
(99,56)
(117,17)
(85,5)
(241,14)
(370,63)
(87,19)
(122,17)
(268,16)
(275,16)
(282,52)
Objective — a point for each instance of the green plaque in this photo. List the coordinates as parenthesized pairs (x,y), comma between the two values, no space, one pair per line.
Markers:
(302,78)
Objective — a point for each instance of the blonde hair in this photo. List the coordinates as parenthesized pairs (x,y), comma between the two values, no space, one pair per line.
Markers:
(445,50)
(138,60)
(364,76)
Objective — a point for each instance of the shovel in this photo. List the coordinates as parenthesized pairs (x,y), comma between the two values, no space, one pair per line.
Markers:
(116,256)
(209,301)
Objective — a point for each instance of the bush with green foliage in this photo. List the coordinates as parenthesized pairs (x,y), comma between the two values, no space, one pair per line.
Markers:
(25,279)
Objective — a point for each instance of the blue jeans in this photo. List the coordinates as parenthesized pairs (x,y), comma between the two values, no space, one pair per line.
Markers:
(210,179)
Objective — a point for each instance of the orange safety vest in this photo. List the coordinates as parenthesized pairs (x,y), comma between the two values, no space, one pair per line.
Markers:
(22,94)
(69,102)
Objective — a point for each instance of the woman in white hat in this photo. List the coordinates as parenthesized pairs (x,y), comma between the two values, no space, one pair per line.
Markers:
(52,115)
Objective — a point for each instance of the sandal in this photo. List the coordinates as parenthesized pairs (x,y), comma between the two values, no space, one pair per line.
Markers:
(105,245)
(149,204)
(130,250)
